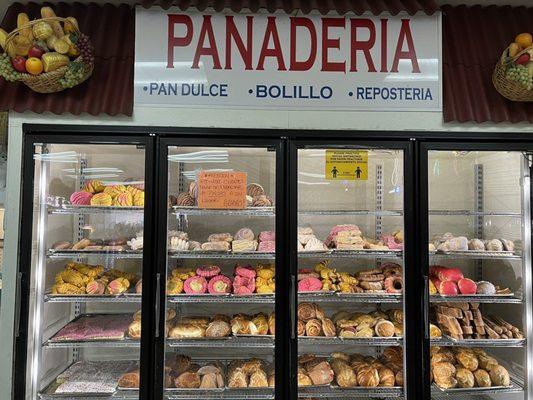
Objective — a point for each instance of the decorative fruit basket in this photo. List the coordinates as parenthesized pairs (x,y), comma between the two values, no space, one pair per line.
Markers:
(513,74)
(48,55)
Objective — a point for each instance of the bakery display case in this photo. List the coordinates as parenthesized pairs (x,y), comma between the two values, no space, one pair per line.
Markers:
(350,271)
(479,275)
(82,267)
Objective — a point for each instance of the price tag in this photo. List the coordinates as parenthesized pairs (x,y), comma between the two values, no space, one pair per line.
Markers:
(222,190)
(347,165)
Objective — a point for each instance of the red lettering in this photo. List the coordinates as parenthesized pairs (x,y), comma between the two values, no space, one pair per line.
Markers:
(276,51)
(211,50)
(173,41)
(301,22)
(410,53)
(362,45)
(233,33)
(383,45)
(328,43)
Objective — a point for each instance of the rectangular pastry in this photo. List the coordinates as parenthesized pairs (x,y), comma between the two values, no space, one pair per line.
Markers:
(216,246)
(239,246)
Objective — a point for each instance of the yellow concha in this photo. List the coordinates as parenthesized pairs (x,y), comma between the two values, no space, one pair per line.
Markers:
(138,199)
(133,190)
(101,199)
(94,186)
(114,190)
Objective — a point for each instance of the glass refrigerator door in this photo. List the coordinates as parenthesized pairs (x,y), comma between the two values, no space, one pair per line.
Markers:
(220,272)
(85,270)
(479,273)
(350,273)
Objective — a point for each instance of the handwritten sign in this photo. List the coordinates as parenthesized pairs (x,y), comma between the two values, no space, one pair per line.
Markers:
(222,190)
(347,165)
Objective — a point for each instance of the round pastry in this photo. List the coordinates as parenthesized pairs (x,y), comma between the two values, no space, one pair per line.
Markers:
(244,234)
(272,324)
(218,328)
(258,379)
(306,273)
(138,199)
(184,199)
(329,328)
(261,201)
(246,271)
(208,271)
(101,199)
(396,315)
(300,327)
(219,284)
(399,378)
(465,378)
(267,236)
(123,199)
(139,287)
(261,322)
(195,285)
(386,377)
(467,360)
(384,328)
(393,354)
(306,311)
(134,190)
(484,287)
(81,198)
(115,190)
(344,374)
(494,245)
(243,285)
(313,327)
(310,285)
(434,331)
(255,189)
(134,330)
(303,378)
(443,374)
(95,287)
(393,284)
(193,190)
(174,286)
(487,362)
(390,269)
(482,378)
(500,376)
(188,380)
(367,376)
(265,271)
(94,186)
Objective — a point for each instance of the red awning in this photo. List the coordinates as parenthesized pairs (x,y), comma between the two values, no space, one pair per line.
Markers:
(323,6)
(473,41)
(110,88)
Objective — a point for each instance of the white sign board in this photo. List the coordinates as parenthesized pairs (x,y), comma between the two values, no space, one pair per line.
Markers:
(280,61)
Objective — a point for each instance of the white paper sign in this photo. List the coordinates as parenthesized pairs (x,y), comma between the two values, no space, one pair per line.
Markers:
(280,61)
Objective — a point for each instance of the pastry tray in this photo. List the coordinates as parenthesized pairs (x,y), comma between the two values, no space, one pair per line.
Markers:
(478,254)
(243,342)
(204,254)
(332,391)
(351,254)
(335,340)
(69,253)
(224,298)
(331,296)
(478,390)
(476,298)
(248,211)
(77,209)
(85,298)
(449,341)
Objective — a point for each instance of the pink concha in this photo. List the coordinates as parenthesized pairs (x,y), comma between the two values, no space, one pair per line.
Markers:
(219,284)
(267,246)
(81,198)
(242,290)
(309,285)
(208,271)
(267,236)
(243,281)
(95,287)
(245,270)
(195,285)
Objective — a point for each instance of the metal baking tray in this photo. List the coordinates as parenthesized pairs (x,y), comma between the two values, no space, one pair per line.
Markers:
(449,341)
(76,209)
(257,298)
(509,298)
(352,254)
(330,296)
(201,254)
(477,254)
(479,390)
(86,298)
(333,391)
(374,341)
(249,211)
(69,253)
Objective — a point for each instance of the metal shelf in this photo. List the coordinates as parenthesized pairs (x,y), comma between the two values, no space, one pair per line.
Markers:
(448,341)
(224,255)
(230,298)
(241,342)
(88,298)
(329,391)
(478,298)
(391,213)
(118,395)
(477,255)
(74,344)
(337,341)
(351,254)
(475,213)
(234,394)
(94,253)
(329,297)
(246,212)
(69,209)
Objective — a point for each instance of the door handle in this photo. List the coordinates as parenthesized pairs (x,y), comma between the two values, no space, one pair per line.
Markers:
(18,296)
(293,306)
(157,305)
(426,307)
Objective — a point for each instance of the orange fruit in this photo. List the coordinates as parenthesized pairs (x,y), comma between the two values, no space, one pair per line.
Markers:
(524,40)
(34,66)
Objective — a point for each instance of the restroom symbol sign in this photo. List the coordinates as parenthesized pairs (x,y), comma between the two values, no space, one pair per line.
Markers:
(346,165)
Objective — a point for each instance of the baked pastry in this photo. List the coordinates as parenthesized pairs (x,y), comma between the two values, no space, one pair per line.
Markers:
(367,376)
(215,246)
(261,201)
(240,246)
(500,376)
(219,284)
(313,327)
(386,377)
(344,374)
(101,199)
(258,379)
(244,234)
(94,186)
(220,237)
(187,330)
(261,322)
(444,375)
(384,328)
(487,362)
(255,189)
(482,378)
(241,325)
(467,360)
(328,327)
(303,378)
(306,311)
(320,373)
(434,331)
(399,378)
(300,327)
(174,286)
(130,380)
(184,200)
(465,378)
(193,190)
(188,380)
(81,198)
(134,330)
(195,285)
(218,328)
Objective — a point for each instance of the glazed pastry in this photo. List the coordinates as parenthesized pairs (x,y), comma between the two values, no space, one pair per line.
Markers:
(310,285)
(195,285)
(220,237)
(184,200)
(245,271)
(115,190)
(118,286)
(81,198)
(101,199)
(344,374)
(130,380)
(134,330)
(254,189)
(261,322)
(67,289)
(218,328)
(467,360)
(329,328)
(174,286)
(240,246)
(300,328)
(434,331)
(243,326)
(208,271)
(219,284)
(265,271)
(303,378)
(243,285)
(306,311)
(94,186)
(367,376)
(216,246)
(244,234)
(443,374)
(465,378)
(258,379)
(487,362)
(386,377)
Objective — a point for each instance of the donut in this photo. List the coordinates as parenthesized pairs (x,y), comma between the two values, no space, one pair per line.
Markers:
(245,270)
(81,198)
(219,284)
(310,285)
(208,271)
(394,284)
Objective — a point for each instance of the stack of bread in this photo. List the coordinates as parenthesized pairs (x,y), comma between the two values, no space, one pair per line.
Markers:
(258,324)
(199,327)
(449,242)
(307,241)
(465,321)
(253,373)
(313,322)
(466,368)
(113,244)
(78,278)
(374,324)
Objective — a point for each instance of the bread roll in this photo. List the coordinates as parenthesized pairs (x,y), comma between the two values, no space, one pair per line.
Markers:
(272,324)
(386,377)
(187,330)
(487,362)
(500,376)
(303,378)
(367,376)
(237,379)
(188,380)
(134,330)
(129,380)
(258,379)
(465,378)
(467,360)
(344,374)
(393,354)
(443,374)
(261,322)
(482,378)
(399,378)
(252,365)
(218,328)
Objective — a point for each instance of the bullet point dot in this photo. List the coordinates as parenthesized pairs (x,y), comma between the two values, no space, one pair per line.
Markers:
(250,91)
(350,94)
(145,88)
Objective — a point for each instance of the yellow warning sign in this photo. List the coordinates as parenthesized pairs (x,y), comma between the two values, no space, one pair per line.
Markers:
(347,165)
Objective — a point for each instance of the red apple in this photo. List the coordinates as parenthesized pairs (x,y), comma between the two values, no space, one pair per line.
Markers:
(467,286)
(35,51)
(448,288)
(450,274)
(19,63)
(437,283)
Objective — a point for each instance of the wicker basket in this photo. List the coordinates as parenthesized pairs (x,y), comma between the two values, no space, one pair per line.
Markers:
(509,89)
(48,82)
